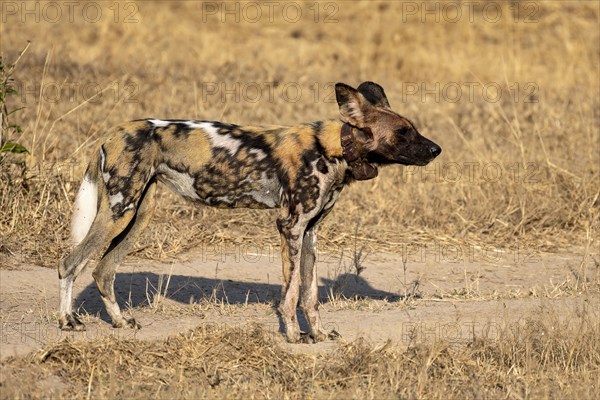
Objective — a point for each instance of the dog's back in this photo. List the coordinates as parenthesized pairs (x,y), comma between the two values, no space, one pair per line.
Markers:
(214,163)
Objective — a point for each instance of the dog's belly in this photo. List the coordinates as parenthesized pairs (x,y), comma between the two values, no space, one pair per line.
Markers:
(259,189)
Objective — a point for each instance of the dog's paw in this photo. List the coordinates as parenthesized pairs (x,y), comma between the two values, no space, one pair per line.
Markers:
(321,336)
(127,323)
(293,336)
(70,322)
(334,335)
(318,336)
(133,324)
(307,338)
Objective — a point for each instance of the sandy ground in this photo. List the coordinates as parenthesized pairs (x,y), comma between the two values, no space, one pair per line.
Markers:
(459,293)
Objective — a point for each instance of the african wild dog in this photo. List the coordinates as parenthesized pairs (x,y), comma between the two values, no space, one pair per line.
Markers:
(301,169)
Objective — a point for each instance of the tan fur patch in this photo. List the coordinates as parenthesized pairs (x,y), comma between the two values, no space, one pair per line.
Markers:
(289,148)
(193,152)
(330,138)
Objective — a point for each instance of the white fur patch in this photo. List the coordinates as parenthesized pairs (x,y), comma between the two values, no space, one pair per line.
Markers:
(159,123)
(105,175)
(198,125)
(84,210)
(115,199)
(258,153)
(226,142)
(179,182)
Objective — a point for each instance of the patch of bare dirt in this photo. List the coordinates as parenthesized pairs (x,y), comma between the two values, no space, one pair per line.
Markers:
(403,298)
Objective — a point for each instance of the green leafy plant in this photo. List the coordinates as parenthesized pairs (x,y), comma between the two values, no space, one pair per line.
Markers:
(8,129)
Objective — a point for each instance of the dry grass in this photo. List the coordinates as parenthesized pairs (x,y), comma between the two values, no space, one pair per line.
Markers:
(542,356)
(536,165)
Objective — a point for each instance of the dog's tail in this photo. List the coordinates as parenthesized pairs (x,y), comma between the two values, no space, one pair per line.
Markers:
(86,202)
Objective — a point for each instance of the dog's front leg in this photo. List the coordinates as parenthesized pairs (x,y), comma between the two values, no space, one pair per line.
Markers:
(310,290)
(291,230)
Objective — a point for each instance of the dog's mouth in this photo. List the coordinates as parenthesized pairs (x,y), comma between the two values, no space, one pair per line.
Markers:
(421,163)
(398,160)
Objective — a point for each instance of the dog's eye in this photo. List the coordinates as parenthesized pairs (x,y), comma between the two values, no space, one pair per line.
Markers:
(402,131)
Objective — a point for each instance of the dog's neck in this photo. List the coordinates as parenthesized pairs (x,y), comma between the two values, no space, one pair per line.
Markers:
(355,156)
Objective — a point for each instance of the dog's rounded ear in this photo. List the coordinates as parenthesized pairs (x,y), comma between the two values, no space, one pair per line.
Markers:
(374,94)
(353,105)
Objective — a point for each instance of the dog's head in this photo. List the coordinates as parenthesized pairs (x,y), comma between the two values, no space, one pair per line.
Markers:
(383,136)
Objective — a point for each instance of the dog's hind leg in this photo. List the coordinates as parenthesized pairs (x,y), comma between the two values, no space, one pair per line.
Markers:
(103,230)
(104,273)
(85,209)
(99,225)
(66,320)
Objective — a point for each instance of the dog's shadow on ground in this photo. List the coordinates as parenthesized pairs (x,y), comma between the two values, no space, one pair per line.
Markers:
(139,289)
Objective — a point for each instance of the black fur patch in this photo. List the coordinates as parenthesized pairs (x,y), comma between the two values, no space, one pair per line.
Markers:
(322,166)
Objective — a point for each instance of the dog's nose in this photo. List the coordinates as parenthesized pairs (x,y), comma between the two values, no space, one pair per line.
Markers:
(435,150)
